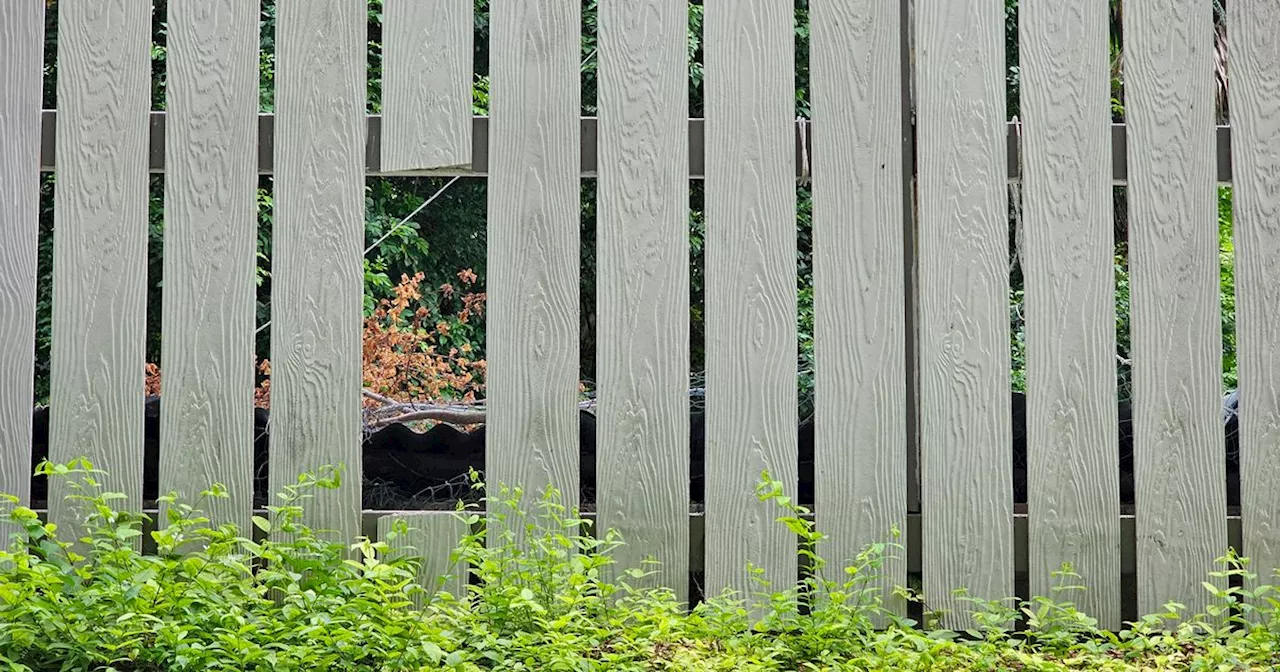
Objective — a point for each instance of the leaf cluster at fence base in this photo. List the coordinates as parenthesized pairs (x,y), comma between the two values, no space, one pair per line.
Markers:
(209,598)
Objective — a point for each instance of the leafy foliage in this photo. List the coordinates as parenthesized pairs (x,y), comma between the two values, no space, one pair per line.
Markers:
(411,354)
(285,597)
(415,348)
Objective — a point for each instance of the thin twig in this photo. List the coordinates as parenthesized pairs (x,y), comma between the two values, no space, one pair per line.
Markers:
(378,397)
(802,126)
(412,214)
(438,415)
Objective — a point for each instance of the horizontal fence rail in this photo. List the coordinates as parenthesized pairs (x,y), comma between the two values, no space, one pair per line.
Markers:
(589,148)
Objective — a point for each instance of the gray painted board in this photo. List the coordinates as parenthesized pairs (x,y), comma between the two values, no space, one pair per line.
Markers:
(210,240)
(1255,122)
(430,537)
(318,237)
(534,223)
(642,251)
(100,250)
(21,73)
(426,85)
(1068,248)
(750,262)
(965,451)
(860,448)
(1179,470)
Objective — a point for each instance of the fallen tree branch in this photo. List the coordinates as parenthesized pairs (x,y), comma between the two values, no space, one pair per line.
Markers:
(437,414)
(459,413)
(378,397)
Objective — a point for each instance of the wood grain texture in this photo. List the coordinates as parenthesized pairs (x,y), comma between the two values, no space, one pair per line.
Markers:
(318,237)
(860,449)
(534,226)
(1179,470)
(966,437)
(426,86)
(100,247)
(1254,60)
(750,290)
(430,537)
(210,239)
(642,251)
(21,73)
(1072,436)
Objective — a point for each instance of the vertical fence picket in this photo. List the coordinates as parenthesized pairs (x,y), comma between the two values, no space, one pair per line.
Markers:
(533,284)
(206,415)
(1072,436)
(1179,470)
(750,290)
(1254,52)
(100,248)
(643,284)
(318,234)
(21,71)
(966,490)
(426,83)
(860,451)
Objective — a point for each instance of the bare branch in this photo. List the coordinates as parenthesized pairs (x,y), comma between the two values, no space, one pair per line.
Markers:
(436,414)
(379,398)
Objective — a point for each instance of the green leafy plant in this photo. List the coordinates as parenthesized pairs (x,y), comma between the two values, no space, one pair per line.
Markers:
(287,597)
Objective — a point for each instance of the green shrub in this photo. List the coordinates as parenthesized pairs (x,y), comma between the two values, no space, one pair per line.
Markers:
(211,599)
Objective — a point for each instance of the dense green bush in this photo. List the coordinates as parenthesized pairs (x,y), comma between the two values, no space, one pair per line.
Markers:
(209,598)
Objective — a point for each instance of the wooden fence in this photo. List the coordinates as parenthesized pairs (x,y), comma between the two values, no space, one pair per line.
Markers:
(911,349)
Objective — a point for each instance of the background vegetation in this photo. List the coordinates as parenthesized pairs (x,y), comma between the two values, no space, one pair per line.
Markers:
(448,236)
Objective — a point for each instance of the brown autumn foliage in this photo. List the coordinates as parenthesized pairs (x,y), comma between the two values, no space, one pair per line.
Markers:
(262,393)
(411,352)
(152,381)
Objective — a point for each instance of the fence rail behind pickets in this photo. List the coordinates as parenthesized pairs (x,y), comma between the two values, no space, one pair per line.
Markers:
(912,367)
